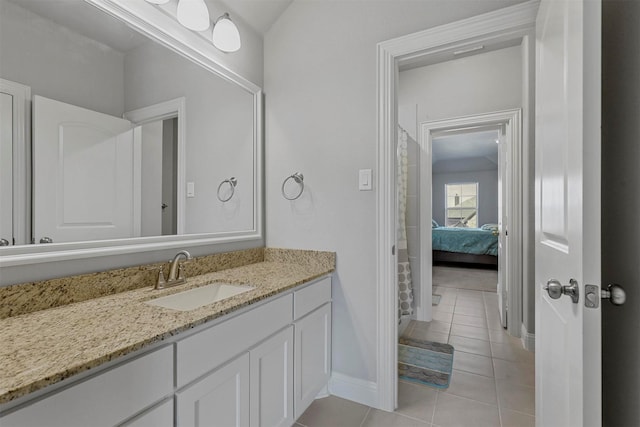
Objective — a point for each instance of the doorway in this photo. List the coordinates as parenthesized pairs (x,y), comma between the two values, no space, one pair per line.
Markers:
(511,24)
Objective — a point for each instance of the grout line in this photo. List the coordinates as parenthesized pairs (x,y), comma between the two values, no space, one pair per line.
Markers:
(435,405)
(365,417)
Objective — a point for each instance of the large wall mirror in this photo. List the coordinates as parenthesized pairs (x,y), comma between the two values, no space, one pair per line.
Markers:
(119,134)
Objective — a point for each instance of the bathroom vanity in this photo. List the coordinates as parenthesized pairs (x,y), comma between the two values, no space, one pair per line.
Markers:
(258,358)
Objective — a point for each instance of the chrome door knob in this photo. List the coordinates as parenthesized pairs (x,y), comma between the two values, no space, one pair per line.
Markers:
(4,242)
(615,294)
(556,289)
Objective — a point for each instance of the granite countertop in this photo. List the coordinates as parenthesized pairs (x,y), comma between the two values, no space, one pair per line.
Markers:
(44,347)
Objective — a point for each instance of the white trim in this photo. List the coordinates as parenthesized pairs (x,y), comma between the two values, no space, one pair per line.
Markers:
(165,110)
(528,339)
(354,389)
(21,153)
(511,122)
(161,26)
(509,23)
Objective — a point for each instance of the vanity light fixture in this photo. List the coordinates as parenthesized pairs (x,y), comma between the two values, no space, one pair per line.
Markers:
(193,14)
(226,36)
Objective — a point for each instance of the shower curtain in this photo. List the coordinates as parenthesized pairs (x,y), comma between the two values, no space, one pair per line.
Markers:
(405,286)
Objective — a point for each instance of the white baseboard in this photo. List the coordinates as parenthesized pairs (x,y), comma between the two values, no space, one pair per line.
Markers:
(528,339)
(355,389)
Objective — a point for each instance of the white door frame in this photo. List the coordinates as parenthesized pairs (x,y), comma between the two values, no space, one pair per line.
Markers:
(514,22)
(510,122)
(21,158)
(166,110)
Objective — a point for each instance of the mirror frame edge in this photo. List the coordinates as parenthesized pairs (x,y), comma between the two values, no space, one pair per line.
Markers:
(164,29)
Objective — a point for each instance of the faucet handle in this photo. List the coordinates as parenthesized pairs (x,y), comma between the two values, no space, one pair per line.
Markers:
(161,282)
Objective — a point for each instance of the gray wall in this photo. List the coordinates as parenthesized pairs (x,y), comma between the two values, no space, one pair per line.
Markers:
(473,85)
(320,86)
(620,208)
(219,135)
(467,170)
(36,52)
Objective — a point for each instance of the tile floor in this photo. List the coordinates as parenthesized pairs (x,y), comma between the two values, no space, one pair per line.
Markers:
(492,382)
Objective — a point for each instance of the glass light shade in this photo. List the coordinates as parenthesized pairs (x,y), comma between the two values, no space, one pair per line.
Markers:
(226,36)
(193,14)
(158,1)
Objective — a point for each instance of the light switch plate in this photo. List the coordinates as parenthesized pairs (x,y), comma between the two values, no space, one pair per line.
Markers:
(191,189)
(364,181)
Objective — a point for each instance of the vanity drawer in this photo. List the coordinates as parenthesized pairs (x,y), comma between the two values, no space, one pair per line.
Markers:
(311,297)
(105,399)
(204,351)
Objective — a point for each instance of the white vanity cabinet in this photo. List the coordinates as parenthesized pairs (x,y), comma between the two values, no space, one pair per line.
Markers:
(106,399)
(312,360)
(261,366)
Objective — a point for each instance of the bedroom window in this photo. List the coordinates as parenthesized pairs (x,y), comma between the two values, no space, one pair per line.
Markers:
(462,205)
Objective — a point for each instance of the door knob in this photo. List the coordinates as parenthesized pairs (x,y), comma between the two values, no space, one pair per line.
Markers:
(4,242)
(556,289)
(615,294)
(46,240)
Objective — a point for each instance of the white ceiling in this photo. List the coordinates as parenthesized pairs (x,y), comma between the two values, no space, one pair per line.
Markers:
(466,145)
(258,14)
(87,20)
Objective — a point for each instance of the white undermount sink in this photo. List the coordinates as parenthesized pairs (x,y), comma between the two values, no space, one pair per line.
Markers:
(199,297)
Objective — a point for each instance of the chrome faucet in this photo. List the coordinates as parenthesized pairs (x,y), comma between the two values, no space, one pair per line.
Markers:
(176,273)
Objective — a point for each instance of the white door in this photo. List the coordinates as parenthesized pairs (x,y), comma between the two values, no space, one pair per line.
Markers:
(503,263)
(567,172)
(85,174)
(6,168)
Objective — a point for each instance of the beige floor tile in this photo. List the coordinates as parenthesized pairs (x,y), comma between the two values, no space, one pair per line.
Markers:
(515,372)
(473,363)
(470,332)
(444,308)
(416,401)
(442,316)
(469,311)
(516,397)
(330,410)
(376,418)
(454,411)
(470,345)
(494,322)
(461,319)
(434,326)
(512,351)
(500,336)
(470,303)
(472,386)
(516,419)
(421,334)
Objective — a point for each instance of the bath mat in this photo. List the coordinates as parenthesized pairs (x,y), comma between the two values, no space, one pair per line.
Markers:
(435,299)
(425,362)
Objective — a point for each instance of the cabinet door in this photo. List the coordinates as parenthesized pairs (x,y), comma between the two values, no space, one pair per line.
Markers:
(159,416)
(272,381)
(312,364)
(219,399)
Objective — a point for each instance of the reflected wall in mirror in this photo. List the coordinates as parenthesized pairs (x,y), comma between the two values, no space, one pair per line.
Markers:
(112,156)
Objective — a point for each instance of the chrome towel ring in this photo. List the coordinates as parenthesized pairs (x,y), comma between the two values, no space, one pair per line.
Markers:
(232,186)
(299,179)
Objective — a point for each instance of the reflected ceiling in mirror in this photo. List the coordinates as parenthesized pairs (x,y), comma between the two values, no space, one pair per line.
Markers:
(132,136)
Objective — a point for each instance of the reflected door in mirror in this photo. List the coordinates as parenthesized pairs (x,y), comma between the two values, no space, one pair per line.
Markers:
(6,168)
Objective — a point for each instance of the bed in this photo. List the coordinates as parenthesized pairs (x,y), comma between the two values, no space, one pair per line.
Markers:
(465,245)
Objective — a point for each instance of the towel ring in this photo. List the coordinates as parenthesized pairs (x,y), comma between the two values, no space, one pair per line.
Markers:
(232,185)
(297,177)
